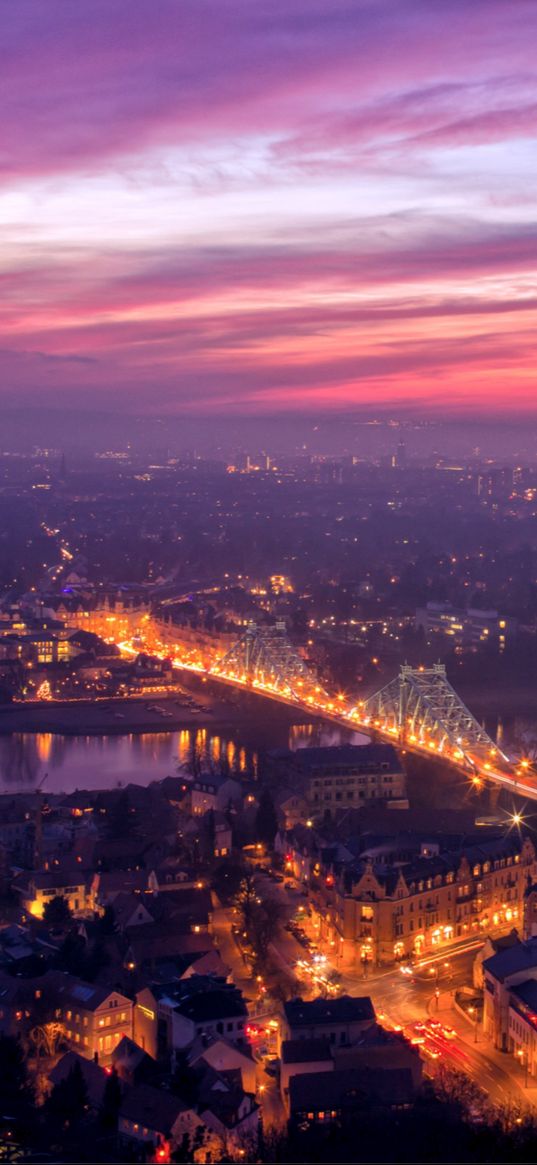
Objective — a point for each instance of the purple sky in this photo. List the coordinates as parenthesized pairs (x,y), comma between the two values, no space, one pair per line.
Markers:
(256,205)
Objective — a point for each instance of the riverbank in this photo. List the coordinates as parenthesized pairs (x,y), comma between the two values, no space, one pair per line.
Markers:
(127,715)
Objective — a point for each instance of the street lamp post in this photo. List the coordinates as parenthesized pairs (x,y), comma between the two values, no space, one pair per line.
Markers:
(475,1016)
(523,1056)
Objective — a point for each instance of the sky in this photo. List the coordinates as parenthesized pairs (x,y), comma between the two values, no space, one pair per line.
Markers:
(246,207)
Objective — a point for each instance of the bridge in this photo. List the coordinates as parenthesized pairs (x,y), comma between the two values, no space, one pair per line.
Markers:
(418,710)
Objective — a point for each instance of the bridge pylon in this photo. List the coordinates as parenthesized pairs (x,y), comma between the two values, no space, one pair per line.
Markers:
(264,657)
(420,708)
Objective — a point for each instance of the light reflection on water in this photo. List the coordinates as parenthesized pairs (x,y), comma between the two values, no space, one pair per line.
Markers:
(93,762)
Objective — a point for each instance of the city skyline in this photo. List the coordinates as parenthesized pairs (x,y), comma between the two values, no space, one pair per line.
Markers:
(249,209)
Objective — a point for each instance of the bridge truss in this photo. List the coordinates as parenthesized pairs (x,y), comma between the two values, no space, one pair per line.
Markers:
(263,657)
(421,709)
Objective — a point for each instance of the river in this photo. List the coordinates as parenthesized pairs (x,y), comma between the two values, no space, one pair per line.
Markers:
(104,762)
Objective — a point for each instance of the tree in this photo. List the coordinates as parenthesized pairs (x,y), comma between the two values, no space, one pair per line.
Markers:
(266,821)
(72,953)
(57,914)
(68,1101)
(227,878)
(47,1038)
(264,925)
(107,924)
(16,1092)
(111,1102)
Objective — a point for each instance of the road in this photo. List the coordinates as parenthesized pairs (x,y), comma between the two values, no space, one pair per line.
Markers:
(401,1001)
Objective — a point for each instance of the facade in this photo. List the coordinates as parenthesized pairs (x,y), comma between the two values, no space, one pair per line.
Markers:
(373,913)
(173,1016)
(39,887)
(522,1025)
(510,1002)
(117,615)
(334,780)
(95,1019)
(466,628)
(214,792)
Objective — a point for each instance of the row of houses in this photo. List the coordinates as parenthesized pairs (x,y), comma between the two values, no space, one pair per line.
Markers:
(397,897)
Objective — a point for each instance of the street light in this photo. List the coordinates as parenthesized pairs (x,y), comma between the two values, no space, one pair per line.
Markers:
(522,1053)
(473,1012)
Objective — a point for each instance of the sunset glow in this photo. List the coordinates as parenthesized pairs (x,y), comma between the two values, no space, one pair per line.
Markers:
(253,206)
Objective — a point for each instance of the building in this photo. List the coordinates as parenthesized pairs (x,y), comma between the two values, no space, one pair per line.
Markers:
(212,791)
(172,1016)
(340,1022)
(299,1057)
(333,780)
(150,1118)
(530,912)
(377,912)
(95,1018)
(38,887)
(491,947)
(230,1113)
(323,1099)
(466,628)
(507,1006)
(223,1056)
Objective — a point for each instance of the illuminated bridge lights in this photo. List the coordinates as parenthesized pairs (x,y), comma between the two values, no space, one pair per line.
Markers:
(419,707)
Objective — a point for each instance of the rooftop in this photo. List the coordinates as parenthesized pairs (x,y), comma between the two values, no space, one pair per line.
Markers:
(151,1107)
(346,1009)
(344,754)
(305,1051)
(526,993)
(520,957)
(325,1091)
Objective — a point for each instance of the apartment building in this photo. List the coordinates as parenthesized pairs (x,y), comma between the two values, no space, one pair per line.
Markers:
(375,913)
(334,780)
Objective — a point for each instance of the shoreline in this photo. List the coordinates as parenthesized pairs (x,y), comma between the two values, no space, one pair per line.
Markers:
(125,716)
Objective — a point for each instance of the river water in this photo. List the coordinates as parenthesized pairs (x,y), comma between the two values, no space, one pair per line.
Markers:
(105,762)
